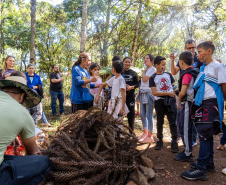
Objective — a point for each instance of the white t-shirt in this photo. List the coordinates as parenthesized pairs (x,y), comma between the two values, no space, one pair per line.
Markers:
(215,70)
(117,84)
(149,72)
(163,83)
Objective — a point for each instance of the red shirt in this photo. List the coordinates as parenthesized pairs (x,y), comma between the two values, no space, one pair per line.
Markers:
(186,79)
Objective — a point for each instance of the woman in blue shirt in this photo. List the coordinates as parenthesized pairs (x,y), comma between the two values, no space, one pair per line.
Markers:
(80,96)
(34,82)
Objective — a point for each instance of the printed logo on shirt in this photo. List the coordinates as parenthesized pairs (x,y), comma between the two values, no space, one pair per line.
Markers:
(128,78)
(164,84)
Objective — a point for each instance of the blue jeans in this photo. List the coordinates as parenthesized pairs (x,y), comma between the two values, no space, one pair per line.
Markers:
(223,138)
(44,119)
(54,96)
(146,114)
(205,153)
(26,170)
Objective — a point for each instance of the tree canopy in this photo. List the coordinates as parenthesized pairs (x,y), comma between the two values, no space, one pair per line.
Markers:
(111,29)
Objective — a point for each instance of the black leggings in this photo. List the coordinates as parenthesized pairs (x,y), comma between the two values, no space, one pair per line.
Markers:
(162,110)
(130,102)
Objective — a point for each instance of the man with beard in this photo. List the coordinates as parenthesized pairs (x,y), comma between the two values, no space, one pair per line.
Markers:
(56,90)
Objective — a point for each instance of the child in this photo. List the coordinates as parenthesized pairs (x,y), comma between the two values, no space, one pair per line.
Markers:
(117,104)
(209,115)
(165,103)
(94,71)
(186,97)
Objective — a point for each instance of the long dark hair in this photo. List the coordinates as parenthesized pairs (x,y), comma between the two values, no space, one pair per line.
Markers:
(151,57)
(92,66)
(83,55)
(126,58)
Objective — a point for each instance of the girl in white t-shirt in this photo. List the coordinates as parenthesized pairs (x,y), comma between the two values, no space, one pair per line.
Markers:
(117,104)
(146,99)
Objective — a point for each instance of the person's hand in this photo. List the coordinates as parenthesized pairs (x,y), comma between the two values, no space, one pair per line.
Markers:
(15,142)
(144,71)
(172,94)
(7,75)
(94,79)
(121,111)
(96,99)
(35,87)
(172,57)
(128,87)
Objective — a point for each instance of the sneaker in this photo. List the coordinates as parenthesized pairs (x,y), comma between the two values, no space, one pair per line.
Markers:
(209,167)
(159,145)
(183,158)
(194,143)
(142,137)
(148,140)
(224,171)
(174,147)
(179,154)
(194,174)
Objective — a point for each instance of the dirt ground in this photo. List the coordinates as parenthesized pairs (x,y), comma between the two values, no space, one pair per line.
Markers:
(168,171)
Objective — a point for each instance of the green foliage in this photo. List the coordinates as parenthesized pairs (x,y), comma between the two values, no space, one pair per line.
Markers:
(163,28)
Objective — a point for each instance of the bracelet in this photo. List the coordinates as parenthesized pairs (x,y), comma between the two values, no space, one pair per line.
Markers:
(98,85)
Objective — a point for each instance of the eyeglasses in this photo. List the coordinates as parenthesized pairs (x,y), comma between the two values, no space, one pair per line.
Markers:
(191,48)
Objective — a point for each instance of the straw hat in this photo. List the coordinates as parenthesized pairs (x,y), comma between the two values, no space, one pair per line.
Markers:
(32,98)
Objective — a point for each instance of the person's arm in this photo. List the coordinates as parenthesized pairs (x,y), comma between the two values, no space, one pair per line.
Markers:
(157,93)
(174,69)
(39,82)
(182,92)
(77,78)
(54,80)
(145,78)
(136,83)
(223,86)
(30,146)
(123,91)
(102,86)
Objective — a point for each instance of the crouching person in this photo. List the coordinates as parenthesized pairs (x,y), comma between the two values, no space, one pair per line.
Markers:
(15,97)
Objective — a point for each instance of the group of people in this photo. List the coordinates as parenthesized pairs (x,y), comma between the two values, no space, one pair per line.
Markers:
(200,101)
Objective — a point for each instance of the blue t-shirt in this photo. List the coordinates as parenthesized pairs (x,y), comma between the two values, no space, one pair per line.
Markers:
(196,64)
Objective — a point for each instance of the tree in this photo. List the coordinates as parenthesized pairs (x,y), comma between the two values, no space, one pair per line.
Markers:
(33,26)
(136,32)
(83,29)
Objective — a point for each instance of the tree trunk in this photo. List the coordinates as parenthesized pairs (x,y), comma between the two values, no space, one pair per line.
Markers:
(83,30)
(136,33)
(33,25)
(104,52)
(1,33)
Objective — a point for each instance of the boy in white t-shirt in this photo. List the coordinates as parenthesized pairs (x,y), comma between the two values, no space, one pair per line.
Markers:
(208,116)
(117,104)
(165,102)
